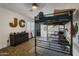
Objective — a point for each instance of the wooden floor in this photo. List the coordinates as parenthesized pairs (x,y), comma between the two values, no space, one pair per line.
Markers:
(20,50)
(27,49)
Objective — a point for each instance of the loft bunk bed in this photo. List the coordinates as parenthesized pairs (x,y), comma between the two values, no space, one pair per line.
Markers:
(57,18)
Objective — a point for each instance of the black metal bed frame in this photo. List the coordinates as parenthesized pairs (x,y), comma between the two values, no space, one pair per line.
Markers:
(41,18)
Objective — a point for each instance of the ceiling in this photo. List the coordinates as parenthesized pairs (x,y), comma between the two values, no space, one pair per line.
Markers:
(25,8)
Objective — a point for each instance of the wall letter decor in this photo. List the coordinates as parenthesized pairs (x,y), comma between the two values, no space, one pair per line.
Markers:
(15,23)
(22,23)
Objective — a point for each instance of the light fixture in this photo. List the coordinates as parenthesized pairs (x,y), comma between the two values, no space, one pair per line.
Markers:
(34,6)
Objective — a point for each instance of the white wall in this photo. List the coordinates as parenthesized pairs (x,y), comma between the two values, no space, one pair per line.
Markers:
(76,41)
(51,30)
(43,30)
(30,28)
(6,17)
(68,26)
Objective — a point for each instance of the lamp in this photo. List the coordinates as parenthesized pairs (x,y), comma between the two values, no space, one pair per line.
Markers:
(34,6)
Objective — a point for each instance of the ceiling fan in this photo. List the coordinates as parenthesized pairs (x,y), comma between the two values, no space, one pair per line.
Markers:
(34,6)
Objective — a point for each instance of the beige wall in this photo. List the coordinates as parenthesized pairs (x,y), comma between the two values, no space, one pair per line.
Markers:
(7,16)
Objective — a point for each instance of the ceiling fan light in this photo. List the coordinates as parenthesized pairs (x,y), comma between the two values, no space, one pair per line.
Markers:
(34,6)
